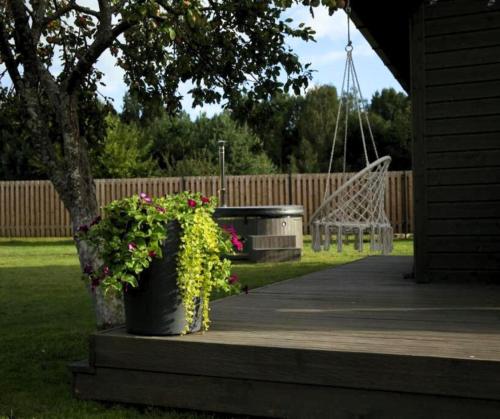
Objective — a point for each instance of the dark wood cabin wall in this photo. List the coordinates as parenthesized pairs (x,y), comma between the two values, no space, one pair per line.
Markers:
(457,149)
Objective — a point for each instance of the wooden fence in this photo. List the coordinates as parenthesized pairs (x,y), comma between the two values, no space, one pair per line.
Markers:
(33,208)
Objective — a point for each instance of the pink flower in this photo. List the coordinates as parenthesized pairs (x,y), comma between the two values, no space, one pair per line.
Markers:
(132,246)
(205,200)
(106,271)
(233,279)
(152,254)
(236,243)
(145,198)
(192,203)
(160,209)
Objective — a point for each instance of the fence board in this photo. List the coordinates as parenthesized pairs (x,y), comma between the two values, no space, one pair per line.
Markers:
(33,208)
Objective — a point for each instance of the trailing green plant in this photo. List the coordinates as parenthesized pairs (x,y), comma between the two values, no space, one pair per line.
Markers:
(131,236)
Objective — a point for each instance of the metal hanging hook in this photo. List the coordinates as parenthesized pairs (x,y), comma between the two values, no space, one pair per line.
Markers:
(347,9)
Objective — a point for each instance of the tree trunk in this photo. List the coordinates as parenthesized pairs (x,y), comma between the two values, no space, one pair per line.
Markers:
(109,309)
(72,179)
(77,190)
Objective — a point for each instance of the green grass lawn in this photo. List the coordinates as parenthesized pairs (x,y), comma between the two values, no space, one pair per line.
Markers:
(46,317)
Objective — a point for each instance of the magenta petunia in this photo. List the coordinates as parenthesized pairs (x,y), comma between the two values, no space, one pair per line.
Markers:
(132,246)
(233,279)
(152,254)
(106,271)
(145,198)
(205,200)
(237,243)
(191,203)
(160,209)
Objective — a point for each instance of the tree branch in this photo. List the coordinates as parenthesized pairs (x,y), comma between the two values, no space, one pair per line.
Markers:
(40,24)
(24,40)
(8,57)
(103,40)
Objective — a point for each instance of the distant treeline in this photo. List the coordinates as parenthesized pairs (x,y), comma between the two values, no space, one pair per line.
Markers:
(285,134)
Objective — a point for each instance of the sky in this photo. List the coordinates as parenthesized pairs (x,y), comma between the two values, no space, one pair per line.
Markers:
(326,55)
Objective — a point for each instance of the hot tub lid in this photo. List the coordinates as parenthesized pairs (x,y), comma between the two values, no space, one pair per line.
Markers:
(272,211)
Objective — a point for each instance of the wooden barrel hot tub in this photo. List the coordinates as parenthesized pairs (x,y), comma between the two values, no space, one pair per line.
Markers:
(269,233)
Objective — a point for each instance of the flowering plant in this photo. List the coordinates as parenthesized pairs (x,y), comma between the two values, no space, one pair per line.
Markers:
(131,235)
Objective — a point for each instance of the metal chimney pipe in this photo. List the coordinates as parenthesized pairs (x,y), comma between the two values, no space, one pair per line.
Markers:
(222,156)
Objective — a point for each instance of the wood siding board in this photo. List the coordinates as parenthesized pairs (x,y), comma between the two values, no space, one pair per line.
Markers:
(461,9)
(471,23)
(463,40)
(481,88)
(468,243)
(464,108)
(481,159)
(447,227)
(465,57)
(466,210)
(478,81)
(473,124)
(464,261)
(466,142)
(467,176)
(464,193)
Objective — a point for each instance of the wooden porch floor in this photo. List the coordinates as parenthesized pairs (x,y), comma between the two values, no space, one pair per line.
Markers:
(358,341)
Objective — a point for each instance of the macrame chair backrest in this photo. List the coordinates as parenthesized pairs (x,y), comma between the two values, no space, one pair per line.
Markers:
(358,200)
(357,206)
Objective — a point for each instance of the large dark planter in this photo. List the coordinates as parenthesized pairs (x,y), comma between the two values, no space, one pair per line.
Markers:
(155,306)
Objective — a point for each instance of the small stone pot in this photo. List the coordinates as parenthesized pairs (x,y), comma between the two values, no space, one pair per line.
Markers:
(155,307)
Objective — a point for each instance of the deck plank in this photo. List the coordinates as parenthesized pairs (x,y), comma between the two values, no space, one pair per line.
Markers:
(360,326)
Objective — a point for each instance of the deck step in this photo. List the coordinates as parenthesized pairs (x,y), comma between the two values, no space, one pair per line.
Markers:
(272,242)
(275,255)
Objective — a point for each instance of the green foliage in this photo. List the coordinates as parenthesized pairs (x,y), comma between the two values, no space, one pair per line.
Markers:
(275,123)
(181,147)
(297,131)
(124,152)
(395,133)
(19,152)
(132,233)
(315,128)
(16,150)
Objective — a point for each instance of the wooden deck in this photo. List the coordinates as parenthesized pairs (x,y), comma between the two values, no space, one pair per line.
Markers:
(356,341)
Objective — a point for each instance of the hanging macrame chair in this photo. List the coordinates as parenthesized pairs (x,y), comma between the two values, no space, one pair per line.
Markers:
(356,208)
